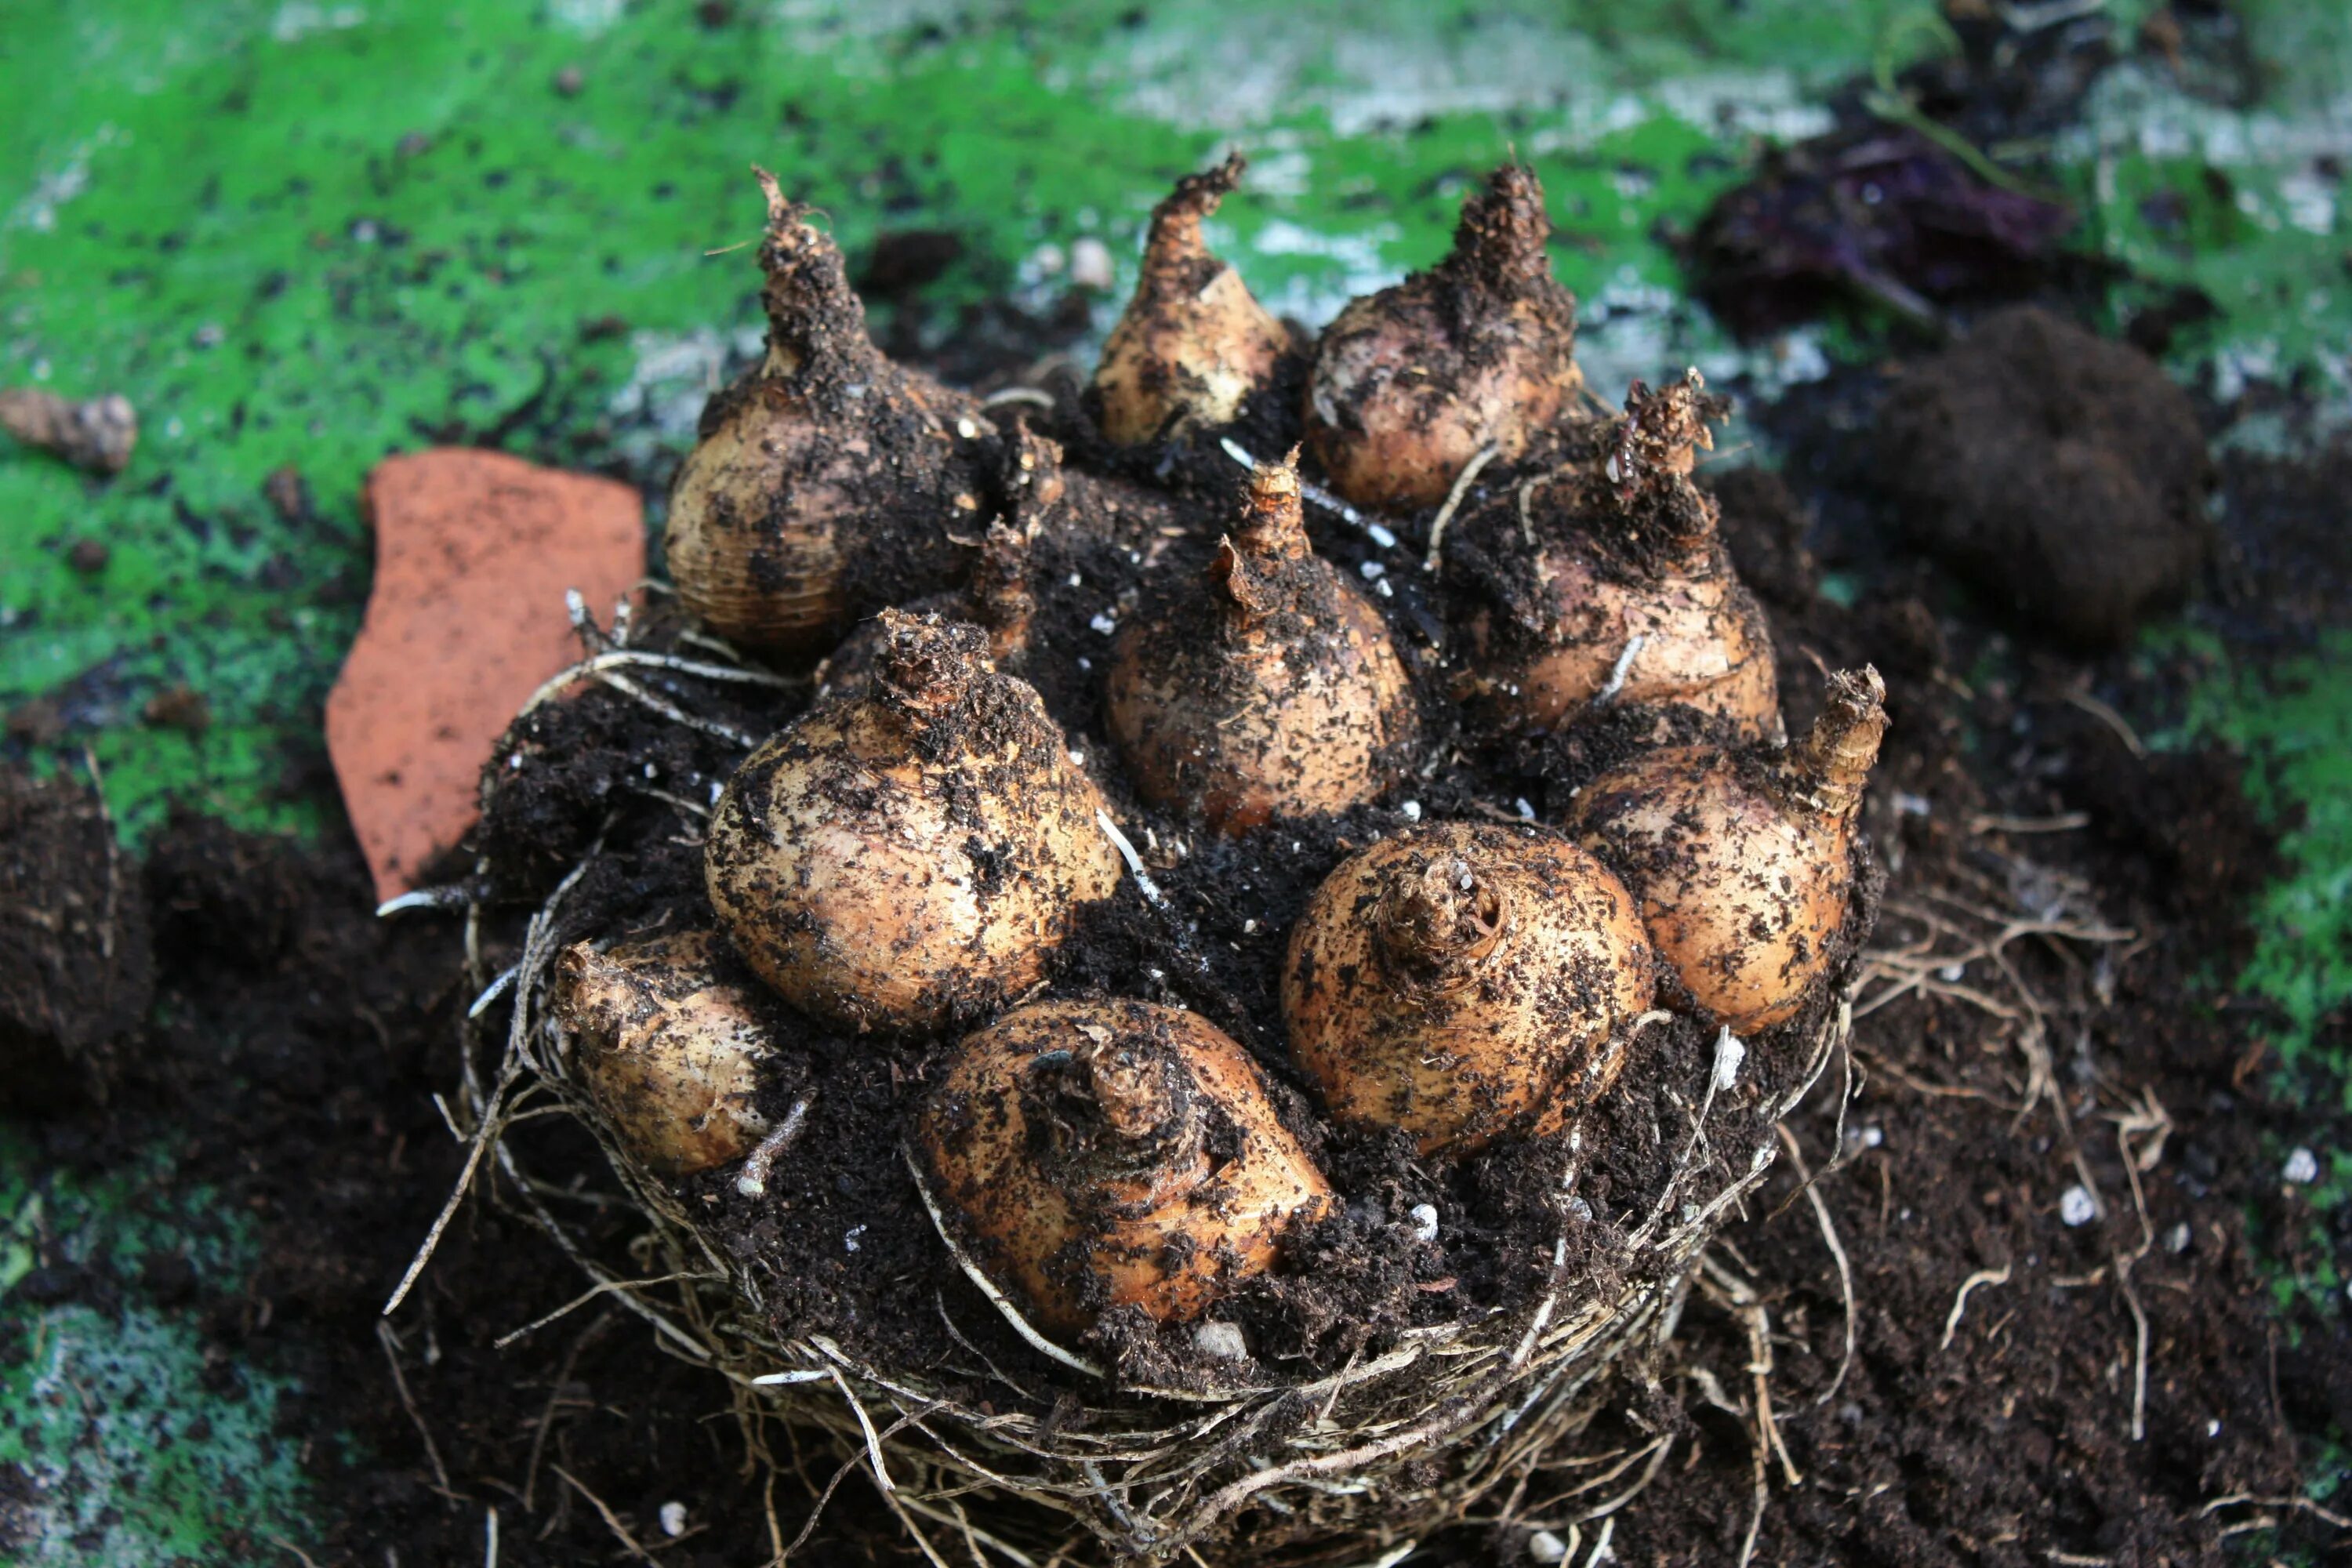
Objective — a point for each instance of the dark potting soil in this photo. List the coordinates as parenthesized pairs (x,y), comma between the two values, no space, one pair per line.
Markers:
(303,1041)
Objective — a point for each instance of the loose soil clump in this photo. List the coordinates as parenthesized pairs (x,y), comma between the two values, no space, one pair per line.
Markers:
(2064,475)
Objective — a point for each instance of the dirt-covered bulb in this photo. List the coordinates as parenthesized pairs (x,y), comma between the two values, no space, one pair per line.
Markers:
(1744,859)
(1194,344)
(906,857)
(669,1033)
(1616,587)
(1268,687)
(1115,1153)
(1465,981)
(825,476)
(1409,384)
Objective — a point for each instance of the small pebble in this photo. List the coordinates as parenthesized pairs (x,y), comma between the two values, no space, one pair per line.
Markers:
(1374,571)
(2302,1167)
(88,555)
(1223,1340)
(673,1519)
(2178,1239)
(1425,1221)
(849,1240)
(1582,1210)
(569,81)
(1543,1546)
(1412,810)
(1104,624)
(2077,1206)
(1091,265)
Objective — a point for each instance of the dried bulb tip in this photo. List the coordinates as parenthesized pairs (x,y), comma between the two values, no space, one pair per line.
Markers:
(1504,229)
(1832,763)
(928,662)
(1196,196)
(1439,916)
(1273,523)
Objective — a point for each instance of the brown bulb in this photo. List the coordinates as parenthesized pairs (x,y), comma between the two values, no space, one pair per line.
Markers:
(1268,688)
(1466,982)
(1193,343)
(1635,599)
(825,465)
(1744,860)
(905,858)
(1116,1154)
(669,1033)
(1410,383)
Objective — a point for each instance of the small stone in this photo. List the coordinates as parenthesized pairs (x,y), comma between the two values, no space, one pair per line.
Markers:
(1223,1340)
(2178,1239)
(287,494)
(1543,1546)
(88,556)
(673,1519)
(2077,1206)
(569,81)
(38,721)
(1091,265)
(2302,1167)
(180,708)
(1412,810)
(1425,1221)
(849,1238)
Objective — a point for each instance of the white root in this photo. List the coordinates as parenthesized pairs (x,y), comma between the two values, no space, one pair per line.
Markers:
(753,1180)
(1961,1302)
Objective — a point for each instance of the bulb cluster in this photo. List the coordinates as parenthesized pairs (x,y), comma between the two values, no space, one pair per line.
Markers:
(903,859)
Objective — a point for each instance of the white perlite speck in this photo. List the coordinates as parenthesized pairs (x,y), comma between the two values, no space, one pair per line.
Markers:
(1425,1221)
(673,1519)
(2077,1206)
(1223,1340)
(2302,1167)
(1543,1546)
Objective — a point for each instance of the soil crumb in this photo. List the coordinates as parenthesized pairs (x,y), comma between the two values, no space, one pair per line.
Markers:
(76,970)
(2064,475)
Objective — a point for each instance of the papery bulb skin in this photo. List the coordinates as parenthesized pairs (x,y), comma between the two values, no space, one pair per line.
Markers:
(1464,982)
(823,483)
(1619,589)
(669,1033)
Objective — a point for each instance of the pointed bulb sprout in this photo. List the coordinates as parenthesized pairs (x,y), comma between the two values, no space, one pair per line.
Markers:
(1743,861)
(1193,343)
(1267,687)
(825,464)
(1411,383)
